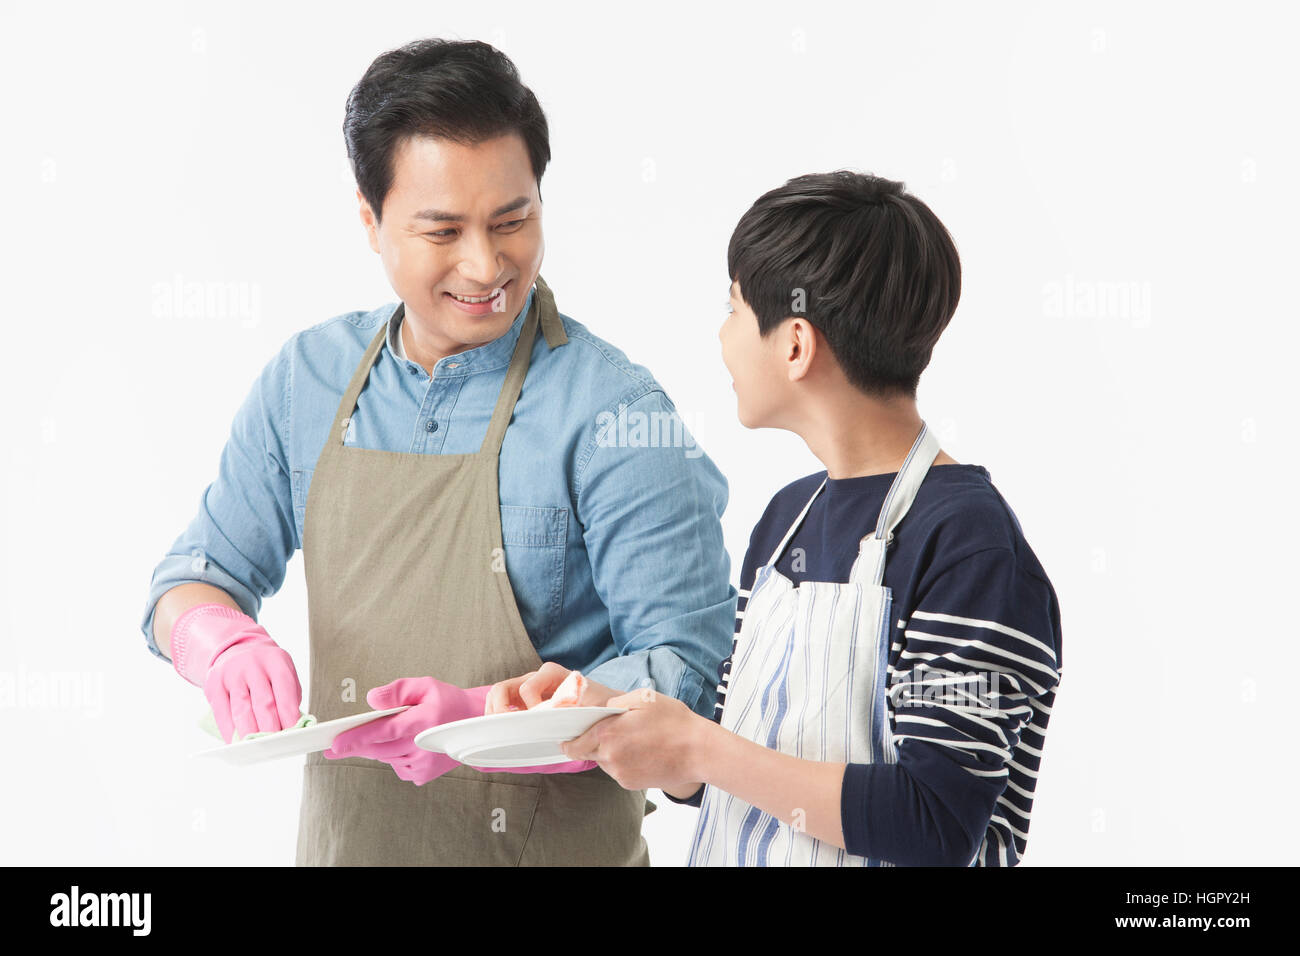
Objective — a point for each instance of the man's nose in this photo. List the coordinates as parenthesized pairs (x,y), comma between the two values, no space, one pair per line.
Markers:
(479,260)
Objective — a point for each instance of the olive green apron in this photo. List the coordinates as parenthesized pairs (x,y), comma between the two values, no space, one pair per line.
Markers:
(406,578)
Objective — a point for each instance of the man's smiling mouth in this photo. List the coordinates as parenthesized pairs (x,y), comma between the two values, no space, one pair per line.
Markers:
(478,299)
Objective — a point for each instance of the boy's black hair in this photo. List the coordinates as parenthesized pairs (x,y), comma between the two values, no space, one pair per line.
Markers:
(462,91)
(879,274)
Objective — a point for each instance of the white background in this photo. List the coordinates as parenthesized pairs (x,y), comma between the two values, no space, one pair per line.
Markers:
(1121,183)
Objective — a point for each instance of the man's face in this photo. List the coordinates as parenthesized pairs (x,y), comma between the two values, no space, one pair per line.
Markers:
(755,363)
(460,221)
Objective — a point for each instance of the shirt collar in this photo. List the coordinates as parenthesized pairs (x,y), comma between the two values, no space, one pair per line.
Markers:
(482,358)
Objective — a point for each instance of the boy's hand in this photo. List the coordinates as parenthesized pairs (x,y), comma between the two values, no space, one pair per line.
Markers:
(529,690)
(655,744)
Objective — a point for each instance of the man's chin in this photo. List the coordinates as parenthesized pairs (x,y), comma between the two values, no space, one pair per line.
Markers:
(472,330)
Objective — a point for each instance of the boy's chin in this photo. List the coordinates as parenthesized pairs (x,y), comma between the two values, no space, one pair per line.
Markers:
(748,420)
(754,414)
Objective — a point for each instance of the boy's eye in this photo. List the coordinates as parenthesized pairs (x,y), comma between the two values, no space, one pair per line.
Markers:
(511,223)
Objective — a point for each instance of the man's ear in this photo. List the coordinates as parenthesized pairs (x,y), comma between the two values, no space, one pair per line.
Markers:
(368,221)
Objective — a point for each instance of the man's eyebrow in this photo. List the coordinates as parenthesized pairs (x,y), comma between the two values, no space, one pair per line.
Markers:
(437,215)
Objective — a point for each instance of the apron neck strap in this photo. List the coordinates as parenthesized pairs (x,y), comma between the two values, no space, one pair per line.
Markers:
(552,328)
(543,310)
(897,501)
(795,525)
(871,550)
(343,417)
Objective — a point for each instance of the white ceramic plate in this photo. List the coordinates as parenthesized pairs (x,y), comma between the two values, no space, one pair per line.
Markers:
(520,738)
(293,743)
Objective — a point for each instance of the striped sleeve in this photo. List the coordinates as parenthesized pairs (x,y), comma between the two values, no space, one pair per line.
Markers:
(972,677)
(724,669)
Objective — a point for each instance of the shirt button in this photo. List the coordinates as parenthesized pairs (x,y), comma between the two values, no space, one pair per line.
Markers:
(431,426)
(411,369)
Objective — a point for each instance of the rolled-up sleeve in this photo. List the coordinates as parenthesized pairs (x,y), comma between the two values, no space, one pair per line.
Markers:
(650,503)
(244,534)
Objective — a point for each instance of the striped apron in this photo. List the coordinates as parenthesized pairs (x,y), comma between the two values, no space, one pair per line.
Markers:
(808,678)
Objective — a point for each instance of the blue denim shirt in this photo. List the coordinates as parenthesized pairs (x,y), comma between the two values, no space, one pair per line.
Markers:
(610,512)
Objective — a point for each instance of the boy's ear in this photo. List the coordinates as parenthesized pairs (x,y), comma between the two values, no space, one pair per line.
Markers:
(801,347)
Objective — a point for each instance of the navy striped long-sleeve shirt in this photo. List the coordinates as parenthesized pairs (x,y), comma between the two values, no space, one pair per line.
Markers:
(970,600)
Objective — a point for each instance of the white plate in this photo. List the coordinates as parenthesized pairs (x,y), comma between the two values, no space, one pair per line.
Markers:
(519,738)
(293,743)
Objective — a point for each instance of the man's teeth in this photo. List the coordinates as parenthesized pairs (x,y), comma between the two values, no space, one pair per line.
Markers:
(482,298)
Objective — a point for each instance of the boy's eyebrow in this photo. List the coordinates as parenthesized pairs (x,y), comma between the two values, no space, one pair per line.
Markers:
(437,215)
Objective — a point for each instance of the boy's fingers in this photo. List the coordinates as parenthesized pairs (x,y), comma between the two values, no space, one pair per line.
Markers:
(582,748)
(586,747)
(540,685)
(630,701)
(505,694)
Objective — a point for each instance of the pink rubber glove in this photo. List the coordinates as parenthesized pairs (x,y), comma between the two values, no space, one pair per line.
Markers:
(249,680)
(392,739)
(433,702)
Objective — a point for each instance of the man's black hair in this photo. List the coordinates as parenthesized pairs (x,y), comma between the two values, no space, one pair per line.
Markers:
(878,272)
(461,91)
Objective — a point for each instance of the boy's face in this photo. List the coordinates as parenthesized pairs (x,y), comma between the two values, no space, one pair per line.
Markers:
(755,363)
(464,220)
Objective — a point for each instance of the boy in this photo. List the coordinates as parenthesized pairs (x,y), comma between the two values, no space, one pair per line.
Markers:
(891,680)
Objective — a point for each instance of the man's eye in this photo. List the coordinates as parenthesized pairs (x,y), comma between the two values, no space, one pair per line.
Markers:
(448,233)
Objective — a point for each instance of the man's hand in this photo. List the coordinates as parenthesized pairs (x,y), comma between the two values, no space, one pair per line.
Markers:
(657,743)
(253,687)
(392,738)
(249,680)
(529,690)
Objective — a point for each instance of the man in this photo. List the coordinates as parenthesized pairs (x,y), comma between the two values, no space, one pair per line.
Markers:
(456,472)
